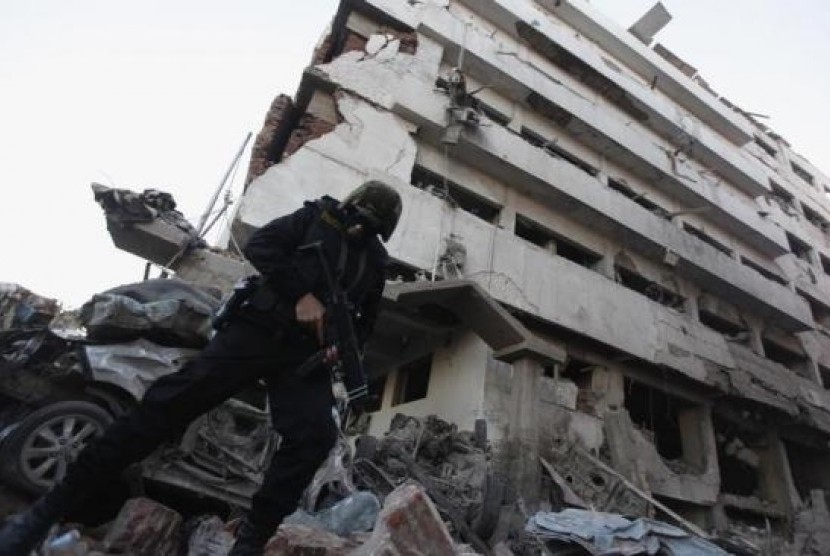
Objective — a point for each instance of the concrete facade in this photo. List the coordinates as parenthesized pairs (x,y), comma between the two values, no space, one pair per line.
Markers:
(666,257)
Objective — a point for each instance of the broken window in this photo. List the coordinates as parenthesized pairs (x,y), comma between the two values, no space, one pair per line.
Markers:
(456,194)
(733,331)
(766,147)
(738,459)
(763,271)
(550,147)
(535,233)
(706,238)
(578,371)
(799,248)
(789,356)
(821,313)
(413,381)
(809,465)
(654,291)
(815,218)
(824,374)
(639,198)
(656,414)
(783,198)
(802,173)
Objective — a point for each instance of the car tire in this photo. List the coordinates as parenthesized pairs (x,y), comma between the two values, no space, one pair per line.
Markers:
(35,454)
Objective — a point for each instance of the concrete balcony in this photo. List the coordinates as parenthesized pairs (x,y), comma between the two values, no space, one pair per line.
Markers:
(525,22)
(628,147)
(650,66)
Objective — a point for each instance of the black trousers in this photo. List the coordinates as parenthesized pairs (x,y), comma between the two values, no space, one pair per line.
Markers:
(235,358)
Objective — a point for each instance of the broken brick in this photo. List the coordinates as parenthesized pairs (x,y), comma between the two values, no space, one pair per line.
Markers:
(302,540)
(144,527)
(261,158)
(409,524)
(310,127)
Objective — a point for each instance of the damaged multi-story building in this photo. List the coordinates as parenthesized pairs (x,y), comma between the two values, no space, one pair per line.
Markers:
(600,259)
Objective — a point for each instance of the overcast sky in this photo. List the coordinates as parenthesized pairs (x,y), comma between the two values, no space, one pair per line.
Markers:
(160,94)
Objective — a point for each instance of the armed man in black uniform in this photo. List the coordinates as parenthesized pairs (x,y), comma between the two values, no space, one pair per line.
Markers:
(274,325)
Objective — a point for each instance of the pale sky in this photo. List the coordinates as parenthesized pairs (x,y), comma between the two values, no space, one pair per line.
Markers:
(160,94)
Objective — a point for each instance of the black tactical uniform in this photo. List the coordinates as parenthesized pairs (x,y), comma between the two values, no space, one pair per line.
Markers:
(261,341)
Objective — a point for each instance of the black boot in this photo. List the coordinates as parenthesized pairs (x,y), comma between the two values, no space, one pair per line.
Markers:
(253,534)
(21,533)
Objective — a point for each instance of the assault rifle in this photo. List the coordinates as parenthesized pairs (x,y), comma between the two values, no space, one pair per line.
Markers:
(340,334)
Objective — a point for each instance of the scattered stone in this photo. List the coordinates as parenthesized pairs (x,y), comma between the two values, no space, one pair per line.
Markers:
(144,527)
(409,525)
(302,540)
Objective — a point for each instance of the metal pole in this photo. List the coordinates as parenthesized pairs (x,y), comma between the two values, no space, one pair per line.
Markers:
(206,214)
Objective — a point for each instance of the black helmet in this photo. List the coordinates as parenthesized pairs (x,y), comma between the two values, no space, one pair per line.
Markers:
(379,204)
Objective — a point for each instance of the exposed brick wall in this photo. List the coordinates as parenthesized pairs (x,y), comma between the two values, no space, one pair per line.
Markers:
(260,153)
(310,127)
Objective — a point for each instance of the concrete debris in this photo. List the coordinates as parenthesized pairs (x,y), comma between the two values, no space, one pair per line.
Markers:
(21,308)
(453,465)
(409,524)
(594,485)
(601,533)
(144,527)
(210,537)
(302,540)
(125,207)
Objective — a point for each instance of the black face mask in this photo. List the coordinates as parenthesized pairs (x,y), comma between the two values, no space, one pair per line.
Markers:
(351,216)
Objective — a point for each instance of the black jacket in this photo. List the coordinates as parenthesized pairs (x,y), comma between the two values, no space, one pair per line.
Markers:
(291,273)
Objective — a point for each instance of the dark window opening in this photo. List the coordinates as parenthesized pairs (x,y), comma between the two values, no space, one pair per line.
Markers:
(799,248)
(639,198)
(802,173)
(783,198)
(783,355)
(809,467)
(550,147)
(413,381)
(825,263)
(477,104)
(738,461)
(763,271)
(652,290)
(766,147)
(821,313)
(578,371)
(534,233)
(576,253)
(456,194)
(824,374)
(726,327)
(706,238)
(376,389)
(815,218)
(656,414)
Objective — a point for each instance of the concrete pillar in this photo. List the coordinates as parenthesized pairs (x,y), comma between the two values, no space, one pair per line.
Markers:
(775,475)
(523,434)
(756,330)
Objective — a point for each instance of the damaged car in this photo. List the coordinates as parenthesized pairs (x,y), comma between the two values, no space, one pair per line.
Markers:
(65,376)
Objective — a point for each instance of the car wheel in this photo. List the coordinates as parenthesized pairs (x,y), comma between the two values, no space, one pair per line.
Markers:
(36,453)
